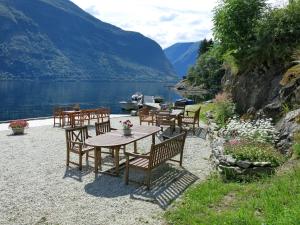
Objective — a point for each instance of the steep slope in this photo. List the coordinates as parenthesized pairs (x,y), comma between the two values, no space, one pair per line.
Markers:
(56,40)
(182,56)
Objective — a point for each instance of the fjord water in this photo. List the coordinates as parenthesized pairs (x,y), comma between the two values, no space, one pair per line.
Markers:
(30,99)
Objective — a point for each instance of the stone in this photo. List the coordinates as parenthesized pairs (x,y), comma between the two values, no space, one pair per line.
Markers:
(287,126)
(243,164)
(230,170)
(261,164)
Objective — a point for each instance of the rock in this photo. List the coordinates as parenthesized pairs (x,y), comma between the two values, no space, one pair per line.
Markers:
(287,126)
(243,164)
(209,115)
(227,160)
(261,164)
(230,170)
(251,111)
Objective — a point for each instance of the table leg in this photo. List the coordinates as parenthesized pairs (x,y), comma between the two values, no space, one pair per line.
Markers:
(153,139)
(135,147)
(117,150)
(96,150)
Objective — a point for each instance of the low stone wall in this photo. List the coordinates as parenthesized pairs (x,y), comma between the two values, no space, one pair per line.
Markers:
(226,164)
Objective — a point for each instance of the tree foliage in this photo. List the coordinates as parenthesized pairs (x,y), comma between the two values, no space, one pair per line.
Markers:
(204,46)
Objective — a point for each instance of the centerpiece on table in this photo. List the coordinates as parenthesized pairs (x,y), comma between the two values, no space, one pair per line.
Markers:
(127,125)
(18,126)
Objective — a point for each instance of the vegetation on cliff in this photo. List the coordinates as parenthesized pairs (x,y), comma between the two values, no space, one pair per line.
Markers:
(248,35)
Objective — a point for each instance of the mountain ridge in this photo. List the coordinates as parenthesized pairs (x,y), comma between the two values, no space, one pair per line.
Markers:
(182,55)
(56,40)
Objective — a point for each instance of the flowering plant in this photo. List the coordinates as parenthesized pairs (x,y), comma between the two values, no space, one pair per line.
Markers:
(18,124)
(126,124)
(260,130)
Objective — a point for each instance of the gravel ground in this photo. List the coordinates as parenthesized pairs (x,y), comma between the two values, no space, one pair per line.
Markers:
(37,188)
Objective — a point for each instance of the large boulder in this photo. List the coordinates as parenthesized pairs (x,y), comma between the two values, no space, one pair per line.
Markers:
(287,126)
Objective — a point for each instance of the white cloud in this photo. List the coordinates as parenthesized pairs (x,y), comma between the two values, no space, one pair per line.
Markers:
(166,22)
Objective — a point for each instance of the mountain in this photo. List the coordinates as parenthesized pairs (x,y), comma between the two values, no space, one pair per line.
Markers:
(182,56)
(56,40)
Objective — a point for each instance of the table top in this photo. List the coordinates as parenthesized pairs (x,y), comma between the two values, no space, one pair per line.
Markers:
(174,112)
(117,138)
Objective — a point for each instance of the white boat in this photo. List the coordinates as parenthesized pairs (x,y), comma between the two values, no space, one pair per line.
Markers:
(126,105)
(149,101)
(134,104)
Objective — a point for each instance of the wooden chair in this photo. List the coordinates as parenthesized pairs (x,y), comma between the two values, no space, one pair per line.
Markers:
(146,115)
(190,120)
(164,118)
(158,155)
(105,127)
(102,114)
(57,115)
(179,105)
(75,139)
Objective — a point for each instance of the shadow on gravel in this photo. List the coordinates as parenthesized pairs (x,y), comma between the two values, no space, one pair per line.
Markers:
(168,182)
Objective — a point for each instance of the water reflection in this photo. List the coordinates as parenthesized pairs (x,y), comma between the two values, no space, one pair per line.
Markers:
(21,99)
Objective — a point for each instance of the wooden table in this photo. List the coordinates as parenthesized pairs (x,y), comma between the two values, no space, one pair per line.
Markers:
(69,115)
(115,139)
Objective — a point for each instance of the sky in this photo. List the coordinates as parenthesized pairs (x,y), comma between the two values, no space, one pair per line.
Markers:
(165,21)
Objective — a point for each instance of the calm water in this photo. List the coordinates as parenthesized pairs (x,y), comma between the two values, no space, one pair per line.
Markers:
(21,99)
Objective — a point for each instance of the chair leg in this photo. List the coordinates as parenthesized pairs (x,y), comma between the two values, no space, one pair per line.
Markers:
(148,179)
(127,171)
(99,159)
(193,129)
(80,161)
(68,157)
(181,156)
(87,156)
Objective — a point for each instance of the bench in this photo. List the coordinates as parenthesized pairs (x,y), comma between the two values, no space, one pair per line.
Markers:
(159,154)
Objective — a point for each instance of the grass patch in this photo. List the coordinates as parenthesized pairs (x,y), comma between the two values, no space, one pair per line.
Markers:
(273,200)
(204,109)
(255,151)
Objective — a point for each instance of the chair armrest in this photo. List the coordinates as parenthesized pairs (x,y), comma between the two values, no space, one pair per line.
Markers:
(137,155)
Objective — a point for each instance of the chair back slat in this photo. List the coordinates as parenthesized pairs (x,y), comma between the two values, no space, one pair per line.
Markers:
(103,127)
(168,149)
(163,118)
(78,134)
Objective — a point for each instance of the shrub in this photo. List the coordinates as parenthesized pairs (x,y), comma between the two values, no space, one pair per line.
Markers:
(254,151)
(296,145)
(260,130)
(225,108)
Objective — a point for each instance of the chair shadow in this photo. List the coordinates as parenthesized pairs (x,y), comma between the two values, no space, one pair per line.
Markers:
(76,174)
(168,182)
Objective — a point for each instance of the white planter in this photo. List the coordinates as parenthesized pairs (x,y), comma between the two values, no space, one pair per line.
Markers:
(127,132)
(18,131)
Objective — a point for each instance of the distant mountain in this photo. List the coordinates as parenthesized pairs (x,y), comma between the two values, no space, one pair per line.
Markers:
(56,40)
(182,56)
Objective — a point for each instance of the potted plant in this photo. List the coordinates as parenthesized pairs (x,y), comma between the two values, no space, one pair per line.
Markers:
(127,125)
(18,126)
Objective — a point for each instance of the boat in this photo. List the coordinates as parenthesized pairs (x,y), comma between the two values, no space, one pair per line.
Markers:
(149,102)
(135,103)
(158,99)
(186,101)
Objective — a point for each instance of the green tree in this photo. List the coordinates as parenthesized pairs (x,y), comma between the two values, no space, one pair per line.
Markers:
(204,46)
(235,22)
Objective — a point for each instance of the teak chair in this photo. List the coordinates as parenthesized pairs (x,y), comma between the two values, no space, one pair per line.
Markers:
(164,118)
(75,139)
(57,115)
(191,120)
(105,127)
(158,155)
(146,115)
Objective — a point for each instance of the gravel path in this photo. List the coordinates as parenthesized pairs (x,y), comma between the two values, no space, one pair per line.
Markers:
(37,188)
